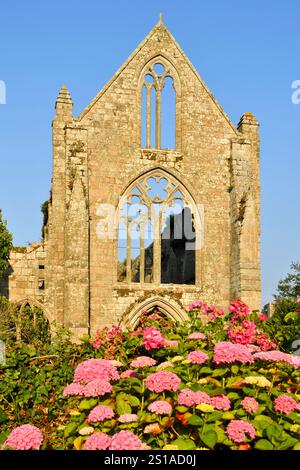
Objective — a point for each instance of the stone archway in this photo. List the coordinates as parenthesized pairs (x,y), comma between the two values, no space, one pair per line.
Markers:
(33,303)
(39,318)
(167,307)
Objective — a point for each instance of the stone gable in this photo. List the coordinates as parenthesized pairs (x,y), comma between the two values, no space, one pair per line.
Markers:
(98,158)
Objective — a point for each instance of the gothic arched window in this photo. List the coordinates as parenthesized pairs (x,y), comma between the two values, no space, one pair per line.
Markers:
(156,235)
(158,106)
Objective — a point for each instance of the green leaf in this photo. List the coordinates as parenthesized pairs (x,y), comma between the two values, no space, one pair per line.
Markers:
(3,437)
(136,384)
(292,316)
(274,433)
(295,417)
(234,369)
(233,396)
(70,429)
(209,437)
(263,444)
(261,422)
(78,442)
(231,381)
(133,401)
(228,415)
(219,372)
(240,413)
(221,434)
(87,404)
(122,406)
(297,446)
(181,409)
(195,420)
(214,416)
(3,417)
(287,443)
(184,444)
(205,370)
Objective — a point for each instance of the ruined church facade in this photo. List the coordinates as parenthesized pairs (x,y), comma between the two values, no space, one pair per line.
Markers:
(118,187)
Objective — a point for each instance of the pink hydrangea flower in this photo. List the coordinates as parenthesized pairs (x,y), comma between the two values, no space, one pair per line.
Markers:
(253,348)
(153,339)
(295,359)
(220,402)
(97,388)
(94,369)
(25,437)
(195,304)
(186,397)
(160,407)
(243,333)
(285,404)
(171,343)
(197,357)
(125,440)
(153,428)
(97,441)
(127,374)
(250,404)
(201,397)
(163,380)
(274,356)
(143,361)
(116,330)
(263,341)
(98,343)
(263,317)
(100,413)
(226,352)
(197,335)
(189,398)
(239,308)
(237,430)
(127,418)
(74,389)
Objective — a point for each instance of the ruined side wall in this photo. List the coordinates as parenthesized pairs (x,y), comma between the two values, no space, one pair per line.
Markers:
(26,274)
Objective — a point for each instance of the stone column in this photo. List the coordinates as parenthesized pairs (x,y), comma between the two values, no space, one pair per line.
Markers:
(54,272)
(245,214)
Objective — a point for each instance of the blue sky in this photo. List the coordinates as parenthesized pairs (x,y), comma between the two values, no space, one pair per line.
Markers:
(247,52)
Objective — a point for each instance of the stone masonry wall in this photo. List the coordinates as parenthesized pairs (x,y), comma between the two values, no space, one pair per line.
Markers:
(26,274)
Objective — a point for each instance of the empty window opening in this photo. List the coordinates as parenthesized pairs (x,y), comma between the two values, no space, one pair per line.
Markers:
(157,238)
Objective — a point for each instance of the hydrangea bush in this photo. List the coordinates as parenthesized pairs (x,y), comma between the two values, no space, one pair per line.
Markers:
(217,381)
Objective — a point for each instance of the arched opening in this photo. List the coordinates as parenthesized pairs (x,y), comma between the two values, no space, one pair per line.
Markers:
(165,310)
(168,115)
(153,314)
(32,325)
(30,322)
(157,232)
(158,106)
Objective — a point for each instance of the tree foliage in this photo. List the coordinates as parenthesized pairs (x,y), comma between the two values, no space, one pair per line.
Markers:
(45,212)
(289,287)
(5,245)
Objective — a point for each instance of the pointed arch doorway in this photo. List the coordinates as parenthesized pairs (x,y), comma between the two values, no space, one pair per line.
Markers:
(165,308)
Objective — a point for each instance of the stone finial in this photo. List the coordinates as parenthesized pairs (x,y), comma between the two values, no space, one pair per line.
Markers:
(160,20)
(247,119)
(64,103)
